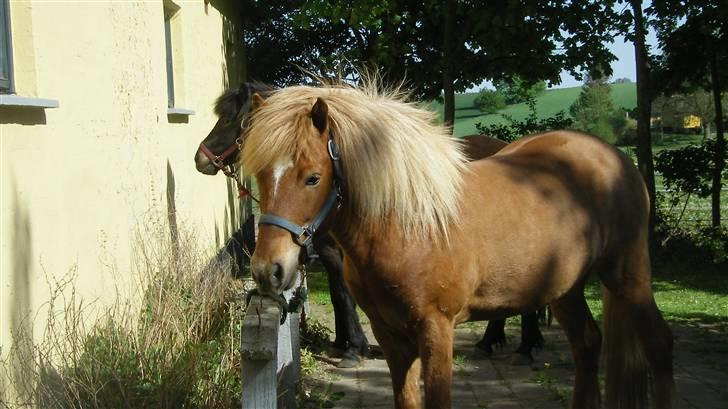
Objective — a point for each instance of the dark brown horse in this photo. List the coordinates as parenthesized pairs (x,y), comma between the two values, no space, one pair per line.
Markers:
(218,152)
(432,240)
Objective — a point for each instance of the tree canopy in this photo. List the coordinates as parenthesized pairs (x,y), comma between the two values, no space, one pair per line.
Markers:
(438,47)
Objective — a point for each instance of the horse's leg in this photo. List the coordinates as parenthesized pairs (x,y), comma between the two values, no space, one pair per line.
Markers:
(404,366)
(636,335)
(494,335)
(585,339)
(531,336)
(349,334)
(435,343)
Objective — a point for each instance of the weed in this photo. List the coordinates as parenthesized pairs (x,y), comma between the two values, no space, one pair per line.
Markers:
(175,345)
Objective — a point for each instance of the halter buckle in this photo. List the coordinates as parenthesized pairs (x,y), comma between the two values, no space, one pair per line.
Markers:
(305,235)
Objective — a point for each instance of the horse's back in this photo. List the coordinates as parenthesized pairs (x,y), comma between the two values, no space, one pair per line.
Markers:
(598,174)
(564,197)
(586,164)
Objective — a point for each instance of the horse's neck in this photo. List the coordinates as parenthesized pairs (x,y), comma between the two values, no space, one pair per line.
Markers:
(362,243)
(351,234)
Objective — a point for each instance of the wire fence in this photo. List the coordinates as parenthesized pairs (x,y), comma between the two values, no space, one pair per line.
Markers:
(691,211)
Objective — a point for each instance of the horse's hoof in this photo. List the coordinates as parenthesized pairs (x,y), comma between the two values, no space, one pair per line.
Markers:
(350,360)
(375,352)
(519,359)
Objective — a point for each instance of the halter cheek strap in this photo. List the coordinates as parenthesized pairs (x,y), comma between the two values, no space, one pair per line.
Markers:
(303,235)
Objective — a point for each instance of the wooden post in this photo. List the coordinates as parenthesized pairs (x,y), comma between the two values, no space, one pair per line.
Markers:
(258,352)
(270,355)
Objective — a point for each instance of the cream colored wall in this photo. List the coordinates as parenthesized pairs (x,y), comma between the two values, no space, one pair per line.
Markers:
(77,179)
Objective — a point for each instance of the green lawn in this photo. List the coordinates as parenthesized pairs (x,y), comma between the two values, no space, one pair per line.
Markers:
(547,104)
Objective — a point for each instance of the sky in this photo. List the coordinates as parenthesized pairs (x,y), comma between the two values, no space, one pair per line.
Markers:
(623,67)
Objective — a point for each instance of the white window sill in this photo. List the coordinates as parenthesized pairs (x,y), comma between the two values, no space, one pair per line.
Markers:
(180,111)
(12,100)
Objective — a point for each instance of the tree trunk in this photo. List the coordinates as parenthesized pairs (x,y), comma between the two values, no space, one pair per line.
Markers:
(644,108)
(448,49)
(719,158)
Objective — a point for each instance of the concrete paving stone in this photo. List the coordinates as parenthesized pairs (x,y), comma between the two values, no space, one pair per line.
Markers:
(493,383)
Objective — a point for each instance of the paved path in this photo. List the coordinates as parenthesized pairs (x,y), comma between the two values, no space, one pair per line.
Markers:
(701,364)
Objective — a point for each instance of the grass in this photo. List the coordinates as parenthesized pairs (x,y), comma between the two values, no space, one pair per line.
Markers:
(547,104)
(684,292)
(174,343)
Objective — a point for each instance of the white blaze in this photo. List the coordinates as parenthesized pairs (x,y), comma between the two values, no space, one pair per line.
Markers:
(278,171)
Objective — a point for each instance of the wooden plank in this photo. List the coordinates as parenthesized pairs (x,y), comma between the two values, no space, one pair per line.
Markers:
(270,355)
(287,351)
(259,338)
(258,350)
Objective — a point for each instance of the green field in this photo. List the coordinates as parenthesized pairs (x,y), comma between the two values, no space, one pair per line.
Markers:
(547,104)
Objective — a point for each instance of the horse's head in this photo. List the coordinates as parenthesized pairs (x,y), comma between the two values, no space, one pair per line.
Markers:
(221,146)
(299,187)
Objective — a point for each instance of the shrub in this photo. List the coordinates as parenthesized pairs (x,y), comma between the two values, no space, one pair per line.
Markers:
(532,124)
(688,170)
(489,101)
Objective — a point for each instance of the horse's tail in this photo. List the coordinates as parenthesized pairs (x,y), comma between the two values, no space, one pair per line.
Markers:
(626,367)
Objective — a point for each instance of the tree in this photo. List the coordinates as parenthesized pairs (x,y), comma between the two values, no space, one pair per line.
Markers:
(490,101)
(516,91)
(443,47)
(531,39)
(694,37)
(634,26)
(672,109)
(594,112)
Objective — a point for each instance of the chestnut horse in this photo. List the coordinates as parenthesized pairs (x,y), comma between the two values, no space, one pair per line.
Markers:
(431,240)
(219,151)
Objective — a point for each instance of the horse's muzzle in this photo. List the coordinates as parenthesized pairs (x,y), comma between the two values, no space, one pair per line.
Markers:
(269,277)
(204,165)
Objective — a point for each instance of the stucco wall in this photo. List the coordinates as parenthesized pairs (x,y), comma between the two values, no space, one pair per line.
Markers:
(76,180)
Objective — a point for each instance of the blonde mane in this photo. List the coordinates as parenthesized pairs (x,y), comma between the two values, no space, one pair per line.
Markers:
(399,165)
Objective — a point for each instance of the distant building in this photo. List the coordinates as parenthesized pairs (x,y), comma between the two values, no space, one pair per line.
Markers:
(102,106)
(691,122)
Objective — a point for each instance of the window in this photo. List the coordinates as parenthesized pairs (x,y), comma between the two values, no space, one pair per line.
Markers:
(172,51)
(6,55)
(168,13)
(174,57)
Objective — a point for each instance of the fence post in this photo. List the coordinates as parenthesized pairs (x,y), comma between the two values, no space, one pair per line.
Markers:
(258,354)
(270,355)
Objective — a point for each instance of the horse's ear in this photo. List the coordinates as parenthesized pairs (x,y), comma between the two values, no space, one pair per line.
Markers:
(320,115)
(257,101)
(244,93)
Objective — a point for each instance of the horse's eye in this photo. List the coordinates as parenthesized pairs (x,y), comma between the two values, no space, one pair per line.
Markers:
(313,180)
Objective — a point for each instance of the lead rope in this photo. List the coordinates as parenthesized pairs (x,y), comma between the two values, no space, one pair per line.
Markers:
(242,190)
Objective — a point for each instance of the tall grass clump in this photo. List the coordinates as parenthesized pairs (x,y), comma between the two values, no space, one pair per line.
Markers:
(173,344)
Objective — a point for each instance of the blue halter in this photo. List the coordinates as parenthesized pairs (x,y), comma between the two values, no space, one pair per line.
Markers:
(303,235)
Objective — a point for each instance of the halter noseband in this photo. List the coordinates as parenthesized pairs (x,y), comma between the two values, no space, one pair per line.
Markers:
(303,235)
(219,162)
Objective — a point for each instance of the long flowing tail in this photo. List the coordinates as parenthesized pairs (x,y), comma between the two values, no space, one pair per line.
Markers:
(626,367)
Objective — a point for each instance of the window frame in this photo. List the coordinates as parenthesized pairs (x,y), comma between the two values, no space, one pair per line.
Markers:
(169,62)
(7,85)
